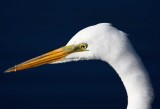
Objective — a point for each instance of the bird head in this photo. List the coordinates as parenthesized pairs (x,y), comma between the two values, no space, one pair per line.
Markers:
(90,43)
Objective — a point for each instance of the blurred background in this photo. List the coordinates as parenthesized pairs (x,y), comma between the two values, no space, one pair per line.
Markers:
(29,28)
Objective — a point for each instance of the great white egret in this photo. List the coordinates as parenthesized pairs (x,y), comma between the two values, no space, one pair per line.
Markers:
(106,43)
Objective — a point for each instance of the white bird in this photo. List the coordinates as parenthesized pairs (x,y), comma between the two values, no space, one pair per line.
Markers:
(106,43)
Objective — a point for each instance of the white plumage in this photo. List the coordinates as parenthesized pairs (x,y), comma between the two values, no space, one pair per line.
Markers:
(108,44)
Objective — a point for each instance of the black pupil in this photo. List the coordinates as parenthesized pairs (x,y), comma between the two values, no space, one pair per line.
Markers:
(83,46)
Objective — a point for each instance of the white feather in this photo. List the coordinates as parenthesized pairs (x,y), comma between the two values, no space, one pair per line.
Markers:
(108,44)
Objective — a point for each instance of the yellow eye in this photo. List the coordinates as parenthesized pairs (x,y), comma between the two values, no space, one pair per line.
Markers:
(80,47)
(83,46)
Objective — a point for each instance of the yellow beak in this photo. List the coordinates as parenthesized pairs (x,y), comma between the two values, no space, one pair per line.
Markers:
(50,57)
(53,56)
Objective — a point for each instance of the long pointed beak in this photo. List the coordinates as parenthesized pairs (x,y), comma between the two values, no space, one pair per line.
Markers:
(53,56)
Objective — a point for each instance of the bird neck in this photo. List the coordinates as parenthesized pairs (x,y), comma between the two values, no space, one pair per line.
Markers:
(135,79)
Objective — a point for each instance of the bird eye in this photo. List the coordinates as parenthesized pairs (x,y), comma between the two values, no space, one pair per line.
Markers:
(83,46)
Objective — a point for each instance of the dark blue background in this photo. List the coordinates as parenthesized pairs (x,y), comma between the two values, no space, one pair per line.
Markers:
(29,28)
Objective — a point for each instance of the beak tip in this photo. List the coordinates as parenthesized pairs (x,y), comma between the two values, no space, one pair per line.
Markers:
(10,70)
(7,71)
